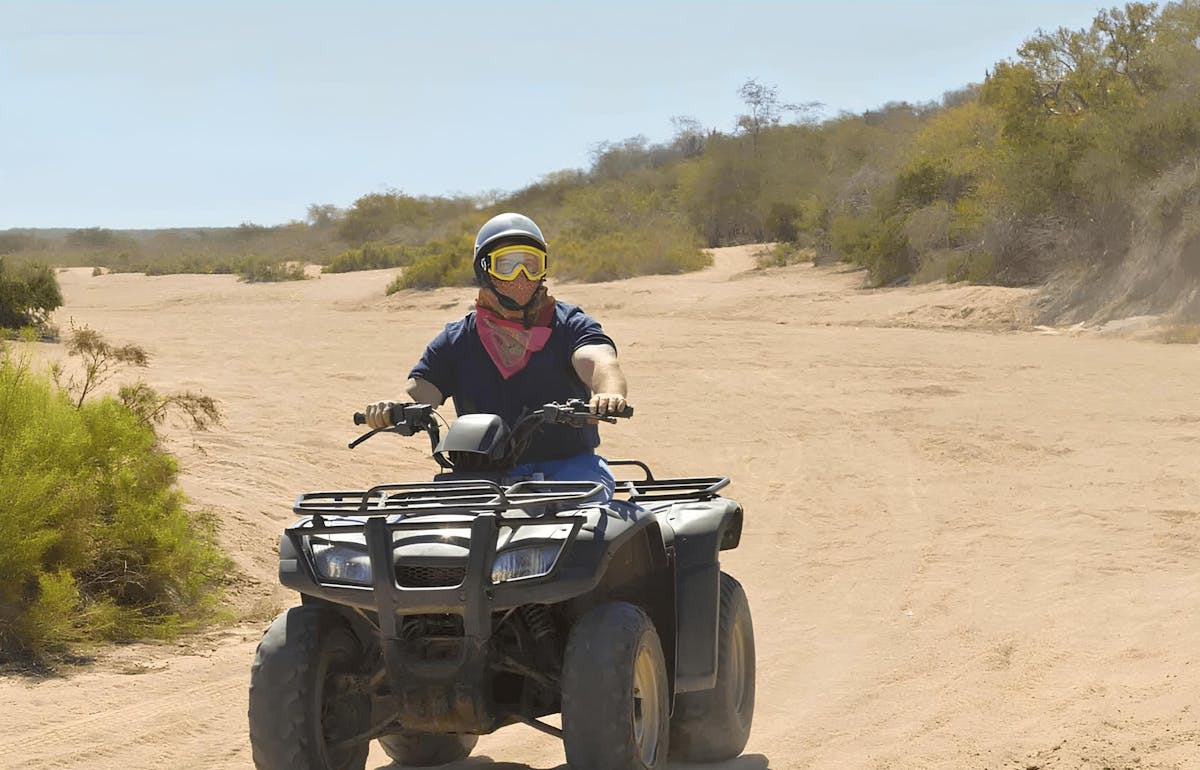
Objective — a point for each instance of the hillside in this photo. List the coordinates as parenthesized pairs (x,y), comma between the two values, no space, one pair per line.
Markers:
(1071,166)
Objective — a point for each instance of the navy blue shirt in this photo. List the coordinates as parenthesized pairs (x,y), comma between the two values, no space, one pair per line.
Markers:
(457,364)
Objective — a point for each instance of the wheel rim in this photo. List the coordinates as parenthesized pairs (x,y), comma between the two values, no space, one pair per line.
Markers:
(737,667)
(647,706)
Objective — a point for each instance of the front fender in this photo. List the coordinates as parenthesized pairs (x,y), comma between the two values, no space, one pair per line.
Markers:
(702,530)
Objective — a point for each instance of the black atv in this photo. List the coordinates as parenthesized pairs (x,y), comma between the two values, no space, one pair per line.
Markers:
(435,612)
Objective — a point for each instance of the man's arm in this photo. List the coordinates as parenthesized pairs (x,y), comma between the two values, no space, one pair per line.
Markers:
(599,369)
(419,391)
(423,392)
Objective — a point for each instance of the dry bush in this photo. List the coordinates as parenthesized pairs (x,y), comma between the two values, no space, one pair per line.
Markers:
(784,254)
(1180,334)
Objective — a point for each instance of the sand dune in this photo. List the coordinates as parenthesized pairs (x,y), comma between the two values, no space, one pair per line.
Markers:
(967,544)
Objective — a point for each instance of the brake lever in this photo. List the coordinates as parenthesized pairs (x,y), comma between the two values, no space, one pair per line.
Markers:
(407,420)
(365,436)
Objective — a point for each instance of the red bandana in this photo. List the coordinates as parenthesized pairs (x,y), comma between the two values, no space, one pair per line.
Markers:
(508,343)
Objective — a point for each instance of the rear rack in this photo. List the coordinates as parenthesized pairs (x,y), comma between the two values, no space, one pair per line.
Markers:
(448,497)
(651,489)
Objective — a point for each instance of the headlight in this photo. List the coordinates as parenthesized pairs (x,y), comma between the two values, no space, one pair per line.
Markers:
(523,562)
(345,563)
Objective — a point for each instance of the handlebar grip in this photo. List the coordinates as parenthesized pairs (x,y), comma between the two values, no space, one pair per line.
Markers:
(360,418)
(626,412)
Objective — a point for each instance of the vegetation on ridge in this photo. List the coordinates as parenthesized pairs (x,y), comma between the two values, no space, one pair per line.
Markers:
(1055,161)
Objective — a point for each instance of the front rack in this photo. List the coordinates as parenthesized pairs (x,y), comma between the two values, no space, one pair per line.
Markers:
(448,497)
(479,496)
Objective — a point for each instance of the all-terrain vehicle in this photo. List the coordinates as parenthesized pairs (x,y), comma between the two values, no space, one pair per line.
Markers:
(435,612)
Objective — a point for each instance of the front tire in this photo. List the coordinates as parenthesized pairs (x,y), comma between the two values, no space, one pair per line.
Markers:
(300,710)
(615,709)
(714,725)
(410,750)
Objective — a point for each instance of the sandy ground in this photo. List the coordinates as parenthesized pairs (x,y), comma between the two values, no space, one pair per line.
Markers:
(969,543)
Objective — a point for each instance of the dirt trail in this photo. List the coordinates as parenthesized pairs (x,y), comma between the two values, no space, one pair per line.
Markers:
(966,544)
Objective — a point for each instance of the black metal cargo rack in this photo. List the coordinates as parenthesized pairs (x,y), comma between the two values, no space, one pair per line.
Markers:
(651,489)
(449,497)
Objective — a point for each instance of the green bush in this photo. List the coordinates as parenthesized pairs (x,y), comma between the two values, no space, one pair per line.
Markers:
(880,246)
(189,264)
(372,256)
(784,254)
(97,542)
(972,267)
(266,270)
(445,262)
(28,294)
(624,254)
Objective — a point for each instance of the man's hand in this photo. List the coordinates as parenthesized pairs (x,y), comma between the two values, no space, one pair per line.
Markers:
(607,403)
(377,414)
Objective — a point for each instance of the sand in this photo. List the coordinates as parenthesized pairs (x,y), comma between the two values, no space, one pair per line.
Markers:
(969,542)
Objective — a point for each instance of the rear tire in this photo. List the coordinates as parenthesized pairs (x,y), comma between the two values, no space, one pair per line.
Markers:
(298,709)
(413,750)
(714,725)
(615,711)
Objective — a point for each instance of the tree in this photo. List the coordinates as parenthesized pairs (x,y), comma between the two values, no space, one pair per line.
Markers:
(764,109)
(374,215)
(1106,65)
(762,105)
(611,160)
(322,215)
(92,238)
(689,137)
(12,242)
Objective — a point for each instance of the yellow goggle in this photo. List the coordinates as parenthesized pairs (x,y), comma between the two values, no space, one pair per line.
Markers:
(504,263)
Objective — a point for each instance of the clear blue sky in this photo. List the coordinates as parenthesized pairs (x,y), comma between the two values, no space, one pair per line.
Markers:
(163,113)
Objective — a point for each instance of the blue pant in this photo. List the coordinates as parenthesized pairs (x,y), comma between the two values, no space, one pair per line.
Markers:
(583,467)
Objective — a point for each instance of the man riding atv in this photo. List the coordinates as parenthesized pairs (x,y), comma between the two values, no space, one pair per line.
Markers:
(521,348)
(520,582)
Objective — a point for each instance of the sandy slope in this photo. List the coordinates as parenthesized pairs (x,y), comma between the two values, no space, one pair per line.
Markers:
(966,545)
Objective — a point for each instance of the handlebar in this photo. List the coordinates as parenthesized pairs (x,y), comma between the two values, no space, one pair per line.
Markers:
(405,419)
(408,419)
(397,412)
(575,412)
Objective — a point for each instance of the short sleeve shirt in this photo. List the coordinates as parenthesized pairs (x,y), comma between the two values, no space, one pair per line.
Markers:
(457,364)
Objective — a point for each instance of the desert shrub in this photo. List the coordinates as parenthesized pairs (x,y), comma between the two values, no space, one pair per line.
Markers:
(372,256)
(267,270)
(784,254)
(190,264)
(890,258)
(881,246)
(1180,334)
(28,294)
(606,256)
(98,542)
(850,237)
(971,266)
(428,273)
(626,254)
(445,262)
